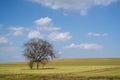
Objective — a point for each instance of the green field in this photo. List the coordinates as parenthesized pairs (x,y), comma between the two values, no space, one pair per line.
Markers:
(64,69)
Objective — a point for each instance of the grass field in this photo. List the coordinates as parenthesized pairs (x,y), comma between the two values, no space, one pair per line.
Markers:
(64,69)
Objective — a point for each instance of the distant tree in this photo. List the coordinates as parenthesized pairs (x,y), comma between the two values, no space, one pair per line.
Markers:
(38,51)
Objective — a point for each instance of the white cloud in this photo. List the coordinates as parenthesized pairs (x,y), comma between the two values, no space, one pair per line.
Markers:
(17,30)
(3,40)
(45,24)
(55,36)
(85,46)
(43,21)
(97,34)
(78,5)
(34,34)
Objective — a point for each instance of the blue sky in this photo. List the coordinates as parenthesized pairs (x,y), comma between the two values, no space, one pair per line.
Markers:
(76,28)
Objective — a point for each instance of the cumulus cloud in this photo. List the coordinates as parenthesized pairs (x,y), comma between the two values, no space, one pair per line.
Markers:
(45,24)
(55,36)
(97,34)
(85,46)
(3,40)
(43,21)
(34,34)
(78,5)
(16,31)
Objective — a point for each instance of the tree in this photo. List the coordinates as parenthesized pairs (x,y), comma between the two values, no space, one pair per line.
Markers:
(38,51)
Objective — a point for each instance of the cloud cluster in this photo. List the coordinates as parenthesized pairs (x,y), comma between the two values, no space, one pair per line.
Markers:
(5,44)
(45,24)
(55,36)
(97,34)
(16,31)
(78,5)
(85,46)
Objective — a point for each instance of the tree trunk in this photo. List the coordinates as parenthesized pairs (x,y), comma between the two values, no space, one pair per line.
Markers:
(37,65)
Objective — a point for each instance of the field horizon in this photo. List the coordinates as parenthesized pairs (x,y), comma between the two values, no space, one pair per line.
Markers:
(62,59)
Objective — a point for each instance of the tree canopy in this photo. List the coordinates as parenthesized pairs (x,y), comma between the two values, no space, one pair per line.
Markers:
(38,51)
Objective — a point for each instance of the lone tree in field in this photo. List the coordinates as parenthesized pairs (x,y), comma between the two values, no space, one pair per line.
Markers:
(38,51)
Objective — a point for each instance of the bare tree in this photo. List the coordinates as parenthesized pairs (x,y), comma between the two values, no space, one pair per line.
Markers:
(38,51)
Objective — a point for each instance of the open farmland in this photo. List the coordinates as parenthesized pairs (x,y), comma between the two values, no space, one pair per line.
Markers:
(64,69)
